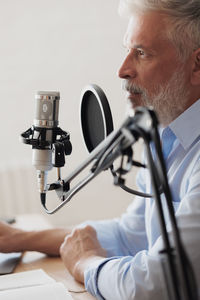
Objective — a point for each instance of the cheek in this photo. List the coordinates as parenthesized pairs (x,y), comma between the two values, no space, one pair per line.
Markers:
(152,77)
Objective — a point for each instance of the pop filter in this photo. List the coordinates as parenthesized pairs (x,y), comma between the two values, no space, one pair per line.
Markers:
(95,115)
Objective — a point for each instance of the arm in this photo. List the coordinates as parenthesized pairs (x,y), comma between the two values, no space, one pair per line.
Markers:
(127,234)
(111,278)
(114,235)
(47,241)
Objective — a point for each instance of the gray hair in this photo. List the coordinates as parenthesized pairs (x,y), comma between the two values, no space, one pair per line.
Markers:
(183,15)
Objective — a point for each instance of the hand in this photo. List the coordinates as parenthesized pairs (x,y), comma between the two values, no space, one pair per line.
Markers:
(80,249)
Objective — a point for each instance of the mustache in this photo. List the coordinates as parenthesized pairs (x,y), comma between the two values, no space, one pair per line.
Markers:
(131,87)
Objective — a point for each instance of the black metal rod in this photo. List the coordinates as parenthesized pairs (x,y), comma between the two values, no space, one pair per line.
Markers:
(189,290)
(168,251)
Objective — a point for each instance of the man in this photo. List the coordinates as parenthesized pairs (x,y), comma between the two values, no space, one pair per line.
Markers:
(118,259)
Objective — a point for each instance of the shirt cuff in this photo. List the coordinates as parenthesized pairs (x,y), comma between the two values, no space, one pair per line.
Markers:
(91,277)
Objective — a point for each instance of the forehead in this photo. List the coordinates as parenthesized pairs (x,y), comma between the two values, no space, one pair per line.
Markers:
(149,29)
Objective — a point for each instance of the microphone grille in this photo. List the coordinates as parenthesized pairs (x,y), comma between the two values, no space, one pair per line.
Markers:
(47,107)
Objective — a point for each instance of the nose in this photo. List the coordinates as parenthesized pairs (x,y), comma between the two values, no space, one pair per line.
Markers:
(127,69)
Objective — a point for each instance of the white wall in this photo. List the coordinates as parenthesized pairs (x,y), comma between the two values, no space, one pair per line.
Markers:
(60,45)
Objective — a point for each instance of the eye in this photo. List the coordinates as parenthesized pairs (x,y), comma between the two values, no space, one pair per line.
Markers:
(140,52)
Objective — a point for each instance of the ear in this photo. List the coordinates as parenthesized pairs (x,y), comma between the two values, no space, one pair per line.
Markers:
(195,78)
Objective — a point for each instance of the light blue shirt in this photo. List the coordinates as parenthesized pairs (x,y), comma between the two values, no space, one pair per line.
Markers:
(132,269)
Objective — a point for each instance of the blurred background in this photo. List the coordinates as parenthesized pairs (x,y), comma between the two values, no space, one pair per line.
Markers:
(57,45)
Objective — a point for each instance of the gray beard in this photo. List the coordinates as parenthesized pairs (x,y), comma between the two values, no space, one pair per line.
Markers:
(168,101)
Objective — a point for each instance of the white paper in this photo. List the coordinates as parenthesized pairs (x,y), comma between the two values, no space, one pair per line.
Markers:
(53,291)
(24,279)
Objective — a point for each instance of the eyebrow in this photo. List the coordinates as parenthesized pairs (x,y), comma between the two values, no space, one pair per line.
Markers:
(137,46)
(140,46)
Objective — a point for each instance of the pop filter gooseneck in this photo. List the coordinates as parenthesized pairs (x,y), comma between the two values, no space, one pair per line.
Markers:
(95,115)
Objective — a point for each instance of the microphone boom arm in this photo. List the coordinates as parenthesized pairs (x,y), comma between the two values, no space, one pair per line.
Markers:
(102,156)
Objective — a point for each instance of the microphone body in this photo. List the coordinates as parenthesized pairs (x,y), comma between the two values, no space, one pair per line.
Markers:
(45,124)
(49,142)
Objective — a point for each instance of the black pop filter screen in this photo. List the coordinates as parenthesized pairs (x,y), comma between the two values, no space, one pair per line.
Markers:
(96,118)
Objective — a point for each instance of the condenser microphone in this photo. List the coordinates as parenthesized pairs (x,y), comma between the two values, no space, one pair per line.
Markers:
(45,123)
(49,142)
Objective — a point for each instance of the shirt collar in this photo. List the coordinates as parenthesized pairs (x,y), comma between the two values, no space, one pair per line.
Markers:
(187,126)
